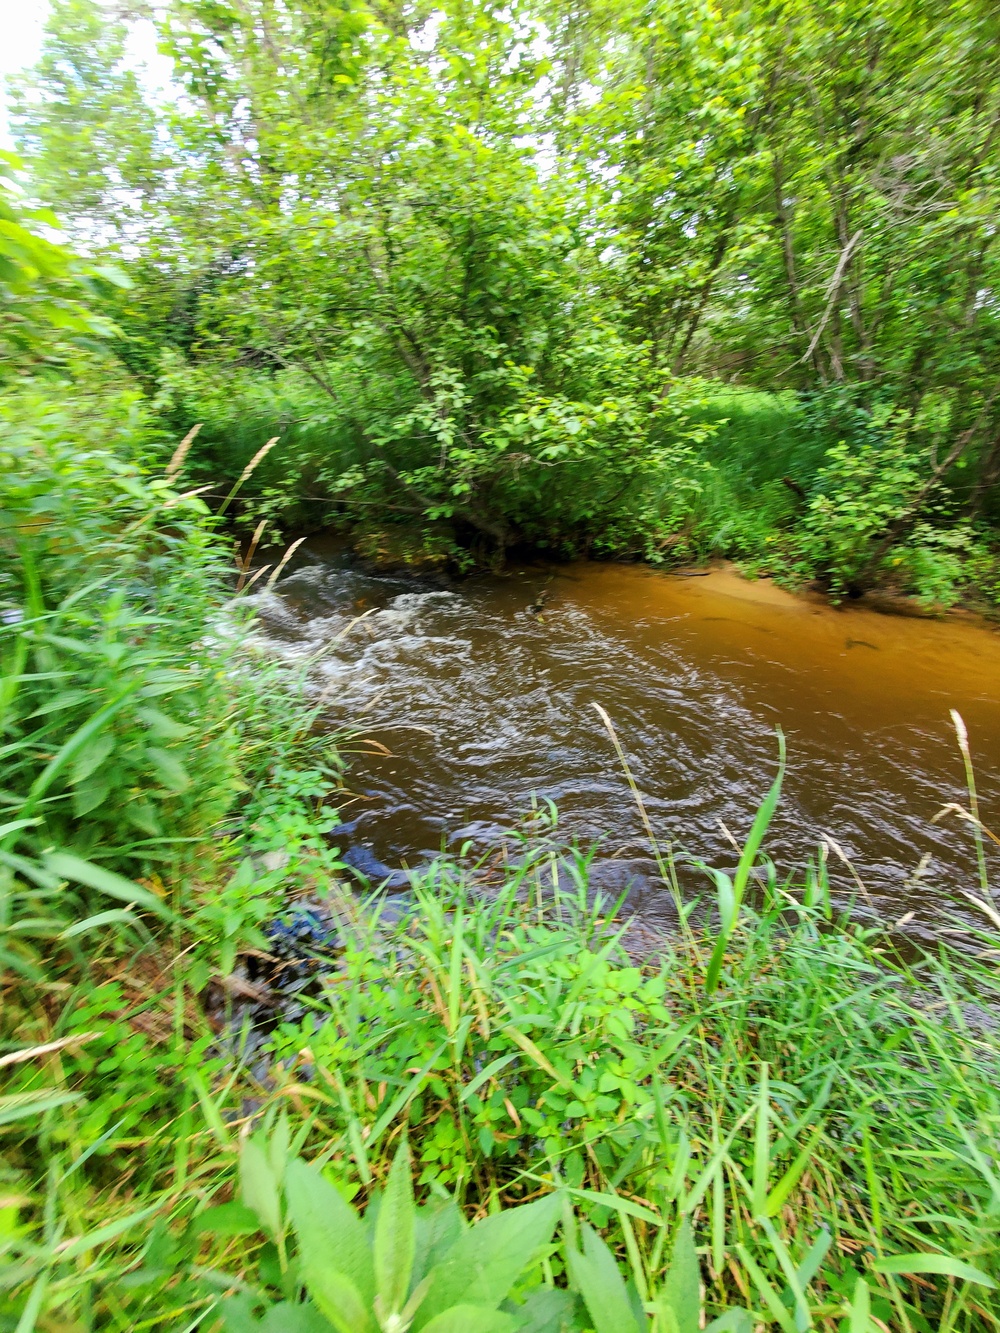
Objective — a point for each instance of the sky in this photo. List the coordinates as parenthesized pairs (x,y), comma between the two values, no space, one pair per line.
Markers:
(21,24)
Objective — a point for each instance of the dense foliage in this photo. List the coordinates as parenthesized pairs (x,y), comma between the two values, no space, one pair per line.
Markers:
(465,260)
(776,1119)
(655,281)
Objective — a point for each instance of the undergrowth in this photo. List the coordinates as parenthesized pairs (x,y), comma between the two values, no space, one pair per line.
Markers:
(479,1106)
(824,1118)
(776,1092)
(811,488)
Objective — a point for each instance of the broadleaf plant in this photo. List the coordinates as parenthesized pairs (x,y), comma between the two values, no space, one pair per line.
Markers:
(399,1267)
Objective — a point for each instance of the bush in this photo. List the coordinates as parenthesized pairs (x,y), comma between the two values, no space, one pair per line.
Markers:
(130,727)
(116,724)
(860,494)
(607,459)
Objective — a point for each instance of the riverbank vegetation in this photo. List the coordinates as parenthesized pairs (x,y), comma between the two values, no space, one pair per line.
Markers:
(657,284)
(214,1049)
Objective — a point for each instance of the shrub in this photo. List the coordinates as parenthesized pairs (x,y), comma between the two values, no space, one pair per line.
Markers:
(861,493)
(116,723)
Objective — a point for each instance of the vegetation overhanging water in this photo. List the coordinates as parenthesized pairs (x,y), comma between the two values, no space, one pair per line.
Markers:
(744,1110)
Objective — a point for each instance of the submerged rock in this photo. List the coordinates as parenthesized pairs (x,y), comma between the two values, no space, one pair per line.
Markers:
(366,863)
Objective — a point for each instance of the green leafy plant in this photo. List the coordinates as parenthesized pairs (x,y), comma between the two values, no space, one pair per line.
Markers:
(47,307)
(860,494)
(399,1268)
(615,1307)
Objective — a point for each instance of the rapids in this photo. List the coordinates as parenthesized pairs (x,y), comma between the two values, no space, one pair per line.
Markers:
(481,696)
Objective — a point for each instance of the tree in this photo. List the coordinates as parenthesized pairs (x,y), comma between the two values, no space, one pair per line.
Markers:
(46,294)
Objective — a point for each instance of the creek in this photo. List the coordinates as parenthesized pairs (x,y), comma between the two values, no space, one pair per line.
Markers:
(471,706)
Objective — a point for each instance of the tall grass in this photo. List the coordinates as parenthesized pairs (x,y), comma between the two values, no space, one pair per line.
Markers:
(762,460)
(824,1116)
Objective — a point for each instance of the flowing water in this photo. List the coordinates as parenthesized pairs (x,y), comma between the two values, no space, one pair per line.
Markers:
(482,694)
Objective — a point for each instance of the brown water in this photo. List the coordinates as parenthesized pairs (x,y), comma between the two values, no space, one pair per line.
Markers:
(483,698)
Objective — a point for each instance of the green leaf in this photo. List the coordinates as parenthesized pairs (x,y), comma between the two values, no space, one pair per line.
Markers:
(814,1256)
(91,794)
(90,757)
(733,1321)
(33,1306)
(779,1311)
(70,867)
(66,699)
(15,826)
(113,917)
(103,1234)
(114,275)
(439,1225)
(143,816)
(472,1319)
(681,1291)
(288,1318)
(616,1202)
(488,1259)
(330,1233)
(776,1198)
(395,1237)
(337,1298)
(30,869)
(209,1109)
(780,1249)
(162,725)
(761,1145)
(285,1317)
(546,1310)
(277,1148)
(72,747)
(860,1308)
(729,908)
(716,960)
(227,1219)
(171,772)
(761,823)
(943,1264)
(259,1186)
(486,1074)
(402,1099)
(726,899)
(237,1314)
(595,1275)
(23,1105)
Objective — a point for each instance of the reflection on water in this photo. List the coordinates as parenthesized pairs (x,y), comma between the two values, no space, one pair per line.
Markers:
(482,695)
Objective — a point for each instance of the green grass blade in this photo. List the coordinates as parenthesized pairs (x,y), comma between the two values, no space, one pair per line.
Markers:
(760,825)
(24,1105)
(761,1145)
(779,1194)
(943,1264)
(74,868)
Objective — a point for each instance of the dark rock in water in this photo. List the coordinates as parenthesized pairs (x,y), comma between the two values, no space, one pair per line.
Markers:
(364,860)
(343,830)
